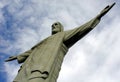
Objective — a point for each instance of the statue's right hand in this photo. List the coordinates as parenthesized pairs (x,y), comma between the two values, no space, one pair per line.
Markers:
(11,58)
(105,10)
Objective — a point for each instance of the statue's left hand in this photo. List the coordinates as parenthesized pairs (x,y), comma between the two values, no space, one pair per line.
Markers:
(105,10)
(11,58)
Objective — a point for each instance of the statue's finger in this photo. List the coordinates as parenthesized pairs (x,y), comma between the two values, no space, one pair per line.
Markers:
(7,60)
(107,7)
(112,5)
(11,57)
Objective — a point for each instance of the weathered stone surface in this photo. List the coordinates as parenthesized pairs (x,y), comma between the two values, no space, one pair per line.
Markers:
(42,63)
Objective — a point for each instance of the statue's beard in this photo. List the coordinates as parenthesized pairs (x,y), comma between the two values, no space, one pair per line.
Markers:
(54,32)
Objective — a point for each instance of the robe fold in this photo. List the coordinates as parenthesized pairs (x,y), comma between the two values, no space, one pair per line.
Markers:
(44,60)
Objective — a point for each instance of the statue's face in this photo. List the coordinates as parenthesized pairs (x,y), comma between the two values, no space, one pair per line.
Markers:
(56,27)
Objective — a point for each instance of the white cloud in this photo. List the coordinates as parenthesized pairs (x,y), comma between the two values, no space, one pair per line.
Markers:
(11,70)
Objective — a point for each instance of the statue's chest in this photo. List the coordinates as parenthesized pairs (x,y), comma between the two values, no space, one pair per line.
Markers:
(52,41)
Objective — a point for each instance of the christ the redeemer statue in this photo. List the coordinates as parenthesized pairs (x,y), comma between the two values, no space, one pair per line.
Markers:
(42,63)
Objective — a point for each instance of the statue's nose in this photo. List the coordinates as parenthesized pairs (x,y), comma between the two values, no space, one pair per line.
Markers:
(53,26)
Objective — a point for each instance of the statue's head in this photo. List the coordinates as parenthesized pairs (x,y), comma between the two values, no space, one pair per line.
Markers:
(57,27)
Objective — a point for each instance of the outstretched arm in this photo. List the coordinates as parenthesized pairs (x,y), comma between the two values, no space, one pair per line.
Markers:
(72,36)
(21,58)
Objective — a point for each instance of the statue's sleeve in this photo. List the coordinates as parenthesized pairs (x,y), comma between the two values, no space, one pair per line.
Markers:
(72,36)
(22,57)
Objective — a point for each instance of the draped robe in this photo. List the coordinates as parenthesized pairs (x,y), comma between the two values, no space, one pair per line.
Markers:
(44,60)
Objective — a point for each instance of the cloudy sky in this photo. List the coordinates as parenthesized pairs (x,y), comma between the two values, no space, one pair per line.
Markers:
(95,58)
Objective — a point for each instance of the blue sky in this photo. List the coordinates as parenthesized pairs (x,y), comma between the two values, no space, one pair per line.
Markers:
(95,58)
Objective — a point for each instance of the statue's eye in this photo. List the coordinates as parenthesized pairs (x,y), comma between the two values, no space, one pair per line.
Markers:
(52,25)
(56,24)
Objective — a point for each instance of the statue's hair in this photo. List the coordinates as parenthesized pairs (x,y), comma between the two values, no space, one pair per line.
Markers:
(61,26)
